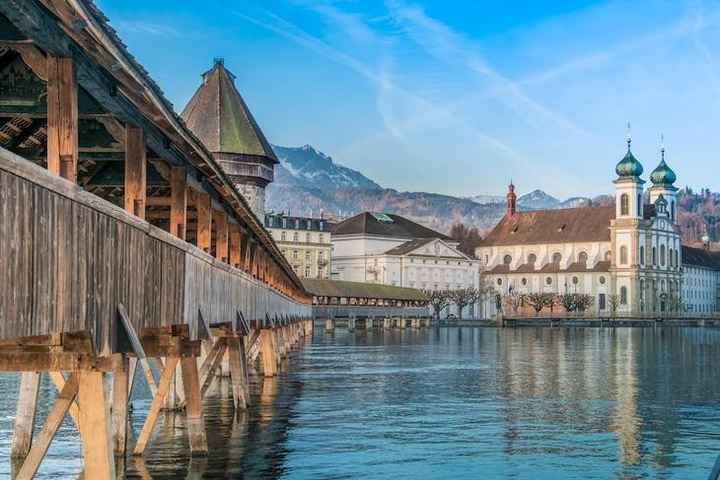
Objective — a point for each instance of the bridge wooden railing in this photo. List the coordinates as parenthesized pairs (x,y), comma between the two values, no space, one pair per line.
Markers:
(69,258)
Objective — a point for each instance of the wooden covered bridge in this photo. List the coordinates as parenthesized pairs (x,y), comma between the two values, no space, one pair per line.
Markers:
(122,243)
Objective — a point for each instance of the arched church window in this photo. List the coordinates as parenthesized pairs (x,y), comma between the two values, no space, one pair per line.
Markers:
(624,204)
(548,280)
(532,258)
(556,258)
(642,255)
(608,256)
(524,281)
(623,255)
(662,255)
(575,280)
(654,256)
(602,280)
(499,281)
(583,257)
(672,211)
(623,296)
(639,205)
(507,259)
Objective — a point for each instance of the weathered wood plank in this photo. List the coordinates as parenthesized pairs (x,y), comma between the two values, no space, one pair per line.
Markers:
(62,118)
(95,426)
(157,402)
(25,414)
(178,206)
(135,170)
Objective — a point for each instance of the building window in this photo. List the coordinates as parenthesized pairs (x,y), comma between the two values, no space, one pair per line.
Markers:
(532,259)
(548,281)
(602,280)
(662,255)
(623,296)
(321,238)
(524,281)
(672,211)
(654,256)
(583,257)
(295,254)
(499,281)
(507,259)
(556,258)
(295,237)
(624,204)
(575,280)
(623,255)
(307,272)
(642,255)
(639,205)
(283,236)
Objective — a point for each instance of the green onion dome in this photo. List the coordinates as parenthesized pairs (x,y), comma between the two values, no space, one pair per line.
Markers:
(663,175)
(629,166)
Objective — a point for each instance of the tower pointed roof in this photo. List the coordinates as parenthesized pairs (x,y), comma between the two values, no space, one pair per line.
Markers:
(219,116)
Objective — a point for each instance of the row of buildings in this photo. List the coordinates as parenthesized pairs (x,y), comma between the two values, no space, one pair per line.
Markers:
(628,257)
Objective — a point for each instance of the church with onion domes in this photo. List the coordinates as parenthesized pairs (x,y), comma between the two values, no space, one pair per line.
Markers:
(629,257)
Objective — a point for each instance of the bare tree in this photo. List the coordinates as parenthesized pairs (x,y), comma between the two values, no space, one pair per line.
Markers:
(438,300)
(515,300)
(538,301)
(614,302)
(576,302)
(463,297)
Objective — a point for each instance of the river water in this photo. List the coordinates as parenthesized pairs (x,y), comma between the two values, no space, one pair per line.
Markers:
(485,403)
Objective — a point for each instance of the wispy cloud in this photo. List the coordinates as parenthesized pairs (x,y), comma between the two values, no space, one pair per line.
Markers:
(147,28)
(389,92)
(449,46)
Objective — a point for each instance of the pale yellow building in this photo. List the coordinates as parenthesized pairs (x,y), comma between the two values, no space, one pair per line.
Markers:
(304,241)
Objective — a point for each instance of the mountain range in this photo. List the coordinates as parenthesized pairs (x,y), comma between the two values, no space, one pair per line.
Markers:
(308,182)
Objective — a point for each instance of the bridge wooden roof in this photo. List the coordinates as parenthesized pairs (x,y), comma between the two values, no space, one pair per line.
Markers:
(116,89)
(338,288)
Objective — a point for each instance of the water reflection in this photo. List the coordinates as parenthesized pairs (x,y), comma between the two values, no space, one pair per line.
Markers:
(460,402)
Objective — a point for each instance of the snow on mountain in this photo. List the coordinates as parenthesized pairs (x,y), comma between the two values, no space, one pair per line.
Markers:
(306,167)
(487,199)
(536,200)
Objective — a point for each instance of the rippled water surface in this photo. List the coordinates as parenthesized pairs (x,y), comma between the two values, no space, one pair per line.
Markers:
(449,403)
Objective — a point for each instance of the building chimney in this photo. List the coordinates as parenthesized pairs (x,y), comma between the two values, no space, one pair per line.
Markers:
(511,201)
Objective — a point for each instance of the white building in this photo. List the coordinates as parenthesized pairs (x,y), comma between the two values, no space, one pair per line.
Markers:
(630,254)
(304,241)
(392,250)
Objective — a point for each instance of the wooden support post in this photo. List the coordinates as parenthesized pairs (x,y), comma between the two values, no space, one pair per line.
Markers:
(238,372)
(95,426)
(193,407)
(120,406)
(178,205)
(135,171)
(249,253)
(59,380)
(62,117)
(25,415)
(163,387)
(221,238)
(269,356)
(234,245)
(62,404)
(204,221)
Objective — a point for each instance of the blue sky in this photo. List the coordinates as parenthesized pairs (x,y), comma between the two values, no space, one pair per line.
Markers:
(457,97)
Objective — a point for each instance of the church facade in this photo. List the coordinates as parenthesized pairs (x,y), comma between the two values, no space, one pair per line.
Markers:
(629,257)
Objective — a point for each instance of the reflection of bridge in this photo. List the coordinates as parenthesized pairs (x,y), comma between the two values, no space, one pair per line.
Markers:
(184,274)
(619,320)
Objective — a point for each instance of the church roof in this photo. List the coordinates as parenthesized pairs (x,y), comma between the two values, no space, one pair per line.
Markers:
(583,224)
(219,116)
(408,246)
(385,224)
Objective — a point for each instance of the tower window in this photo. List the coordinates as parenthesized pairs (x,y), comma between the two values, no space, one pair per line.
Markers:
(623,255)
(624,204)
(672,211)
(639,205)
(642,255)
(623,296)
(654,256)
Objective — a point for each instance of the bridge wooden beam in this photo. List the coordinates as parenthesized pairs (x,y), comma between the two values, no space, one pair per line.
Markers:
(95,432)
(25,414)
(234,246)
(178,205)
(221,235)
(204,220)
(135,171)
(62,117)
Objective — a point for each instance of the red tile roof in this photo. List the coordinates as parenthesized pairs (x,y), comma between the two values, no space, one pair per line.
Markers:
(584,224)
